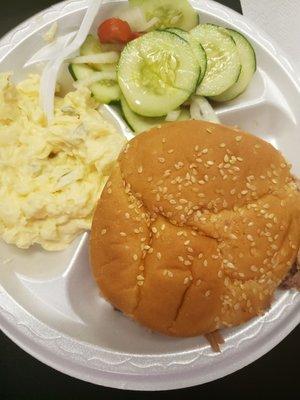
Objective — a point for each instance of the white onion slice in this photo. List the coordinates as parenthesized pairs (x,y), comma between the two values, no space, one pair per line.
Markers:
(97,76)
(173,115)
(201,110)
(50,51)
(49,76)
(101,58)
(135,18)
(151,23)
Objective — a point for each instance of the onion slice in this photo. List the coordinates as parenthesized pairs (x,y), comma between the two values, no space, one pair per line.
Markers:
(173,115)
(102,58)
(50,51)
(49,76)
(201,110)
(135,18)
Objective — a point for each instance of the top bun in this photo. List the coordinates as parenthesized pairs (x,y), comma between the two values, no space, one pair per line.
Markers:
(196,228)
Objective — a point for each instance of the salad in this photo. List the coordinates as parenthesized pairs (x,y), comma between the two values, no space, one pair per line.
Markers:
(159,63)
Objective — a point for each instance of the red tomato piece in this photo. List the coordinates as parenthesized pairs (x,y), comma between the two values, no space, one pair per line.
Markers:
(114,30)
(135,35)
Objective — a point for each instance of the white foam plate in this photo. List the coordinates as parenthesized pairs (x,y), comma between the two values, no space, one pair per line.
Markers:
(49,304)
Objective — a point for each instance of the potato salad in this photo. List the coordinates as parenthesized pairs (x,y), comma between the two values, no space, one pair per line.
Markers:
(51,174)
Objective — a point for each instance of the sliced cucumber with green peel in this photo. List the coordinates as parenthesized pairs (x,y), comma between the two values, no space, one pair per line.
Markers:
(92,45)
(223,61)
(196,47)
(168,13)
(248,68)
(142,124)
(105,91)
(157,73)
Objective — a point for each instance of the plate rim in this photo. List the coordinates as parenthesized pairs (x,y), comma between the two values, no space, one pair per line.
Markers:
(27,339)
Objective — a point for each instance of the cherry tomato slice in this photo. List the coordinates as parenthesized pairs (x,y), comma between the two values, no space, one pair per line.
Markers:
(114,30)
(135,35)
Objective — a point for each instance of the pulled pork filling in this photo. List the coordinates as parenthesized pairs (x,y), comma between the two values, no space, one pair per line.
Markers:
(292,280)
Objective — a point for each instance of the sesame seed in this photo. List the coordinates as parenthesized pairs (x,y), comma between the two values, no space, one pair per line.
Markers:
(187,242)
(109,191)
(140,169)
(180,258)
(158,255)
(222,145)
(140,278)
(187,263)
(230,265)
(103,232)
(250,238)
(207,293)
(257,146)
(123,234)
(254,268)
(206,178)
(186,280)
(220,274)
(204,151)
(238,138)
(135,257)
(200,255)
(205,263)
(140,283)
(197,148)
(244,192)
(236,306)
(170,151)
(240,159)
(190,250)
(161,159)
(210,163)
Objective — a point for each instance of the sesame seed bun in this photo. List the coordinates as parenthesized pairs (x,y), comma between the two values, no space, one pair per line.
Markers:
(196,228)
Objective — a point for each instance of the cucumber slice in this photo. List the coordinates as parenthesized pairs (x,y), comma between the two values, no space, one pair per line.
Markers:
(105,91)
(248,68)
(92,45)
(142,124)
(157,73)
(196,47)
(223,62)
(169,13)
